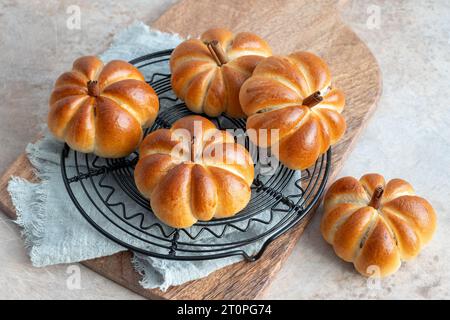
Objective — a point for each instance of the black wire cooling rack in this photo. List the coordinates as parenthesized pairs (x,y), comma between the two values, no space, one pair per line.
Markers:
(104,192)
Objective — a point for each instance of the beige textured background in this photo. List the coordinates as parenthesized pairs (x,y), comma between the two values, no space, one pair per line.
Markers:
(408,136)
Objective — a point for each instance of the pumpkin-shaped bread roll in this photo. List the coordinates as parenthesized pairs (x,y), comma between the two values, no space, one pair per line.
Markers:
(102,108)
(207,73)
(293,95)
(375,224)
(193,171)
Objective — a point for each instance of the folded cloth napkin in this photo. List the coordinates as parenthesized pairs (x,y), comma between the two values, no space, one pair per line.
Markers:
(55,232)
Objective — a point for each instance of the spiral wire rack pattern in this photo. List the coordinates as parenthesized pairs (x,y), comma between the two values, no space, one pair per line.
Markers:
(104,192)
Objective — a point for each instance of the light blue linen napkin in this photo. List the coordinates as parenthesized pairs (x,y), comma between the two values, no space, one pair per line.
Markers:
(53,229)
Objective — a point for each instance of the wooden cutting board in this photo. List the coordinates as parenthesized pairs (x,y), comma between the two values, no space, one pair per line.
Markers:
(287,26)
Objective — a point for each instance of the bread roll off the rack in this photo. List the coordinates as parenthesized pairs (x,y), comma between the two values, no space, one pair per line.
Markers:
(375,224)
(193,171)
(102,108)
(207,73)
(293,95)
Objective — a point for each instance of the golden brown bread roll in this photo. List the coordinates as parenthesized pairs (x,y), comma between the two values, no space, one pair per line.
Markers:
(102,108)
(293,94)
(204,175)
(207,73)
(376,225)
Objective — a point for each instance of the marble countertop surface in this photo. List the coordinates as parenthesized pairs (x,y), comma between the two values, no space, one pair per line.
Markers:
(408,137)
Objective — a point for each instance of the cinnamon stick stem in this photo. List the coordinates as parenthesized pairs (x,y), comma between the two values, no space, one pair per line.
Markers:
(313,99)
(93,88)
(376,197)
(213,54)
(217,52)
